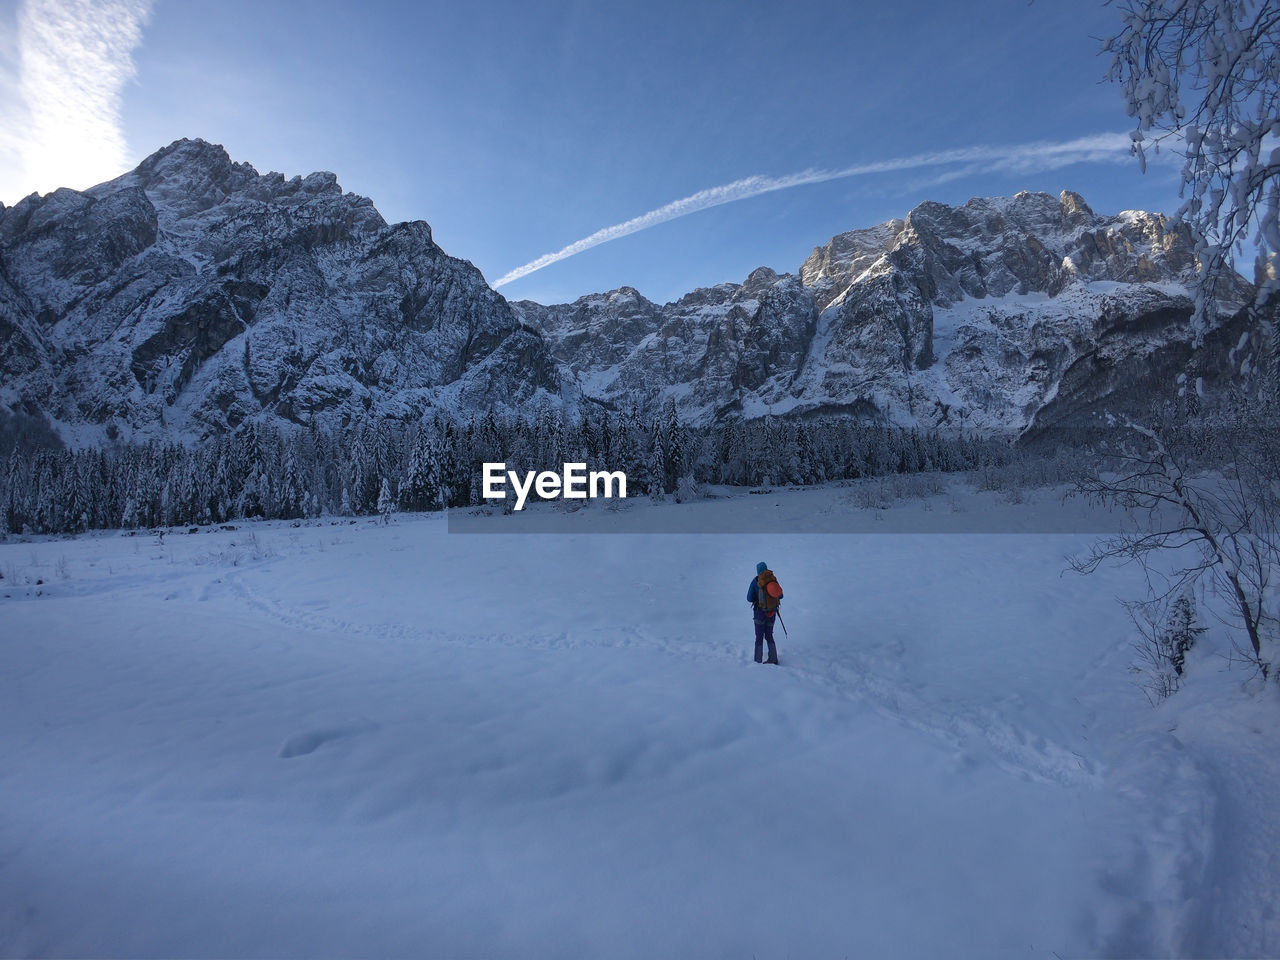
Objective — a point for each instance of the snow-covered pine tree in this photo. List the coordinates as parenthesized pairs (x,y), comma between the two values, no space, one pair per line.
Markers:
(628,452)
(169,509)
(129,518)
(411,484)
(674,449)
(726,438)
(786,452)
(386,502)
(292,498)
(605,437)
(489,437)
(386,463)
(255,492)
(657,462)
(363,472)
(805,465)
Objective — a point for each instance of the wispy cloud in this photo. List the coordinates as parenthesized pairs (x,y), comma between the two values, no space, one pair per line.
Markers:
(61,122)
(1021,158)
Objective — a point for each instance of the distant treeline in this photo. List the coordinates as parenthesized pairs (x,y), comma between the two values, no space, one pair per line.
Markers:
(378,466)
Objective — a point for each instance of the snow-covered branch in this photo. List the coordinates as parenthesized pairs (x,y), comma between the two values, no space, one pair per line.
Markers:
(1202,77)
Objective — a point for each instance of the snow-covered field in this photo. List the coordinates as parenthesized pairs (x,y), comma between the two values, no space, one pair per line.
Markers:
(358,740)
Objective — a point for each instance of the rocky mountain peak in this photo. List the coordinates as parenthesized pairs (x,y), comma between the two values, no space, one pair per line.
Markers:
(189,177)
(848,254)
(185,155)
(184,178)
(1075,212)
(623,296)
(193,293)
(759,281)
(967,314)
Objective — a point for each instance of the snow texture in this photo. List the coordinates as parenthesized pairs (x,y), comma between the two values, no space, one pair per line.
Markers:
(365,739)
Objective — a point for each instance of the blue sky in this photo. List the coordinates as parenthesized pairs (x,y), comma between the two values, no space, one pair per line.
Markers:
(516,129)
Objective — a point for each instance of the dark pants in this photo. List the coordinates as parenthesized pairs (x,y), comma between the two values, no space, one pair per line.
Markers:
(764,631)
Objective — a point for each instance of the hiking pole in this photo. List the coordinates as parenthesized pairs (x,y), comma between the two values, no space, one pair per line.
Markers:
(784,626)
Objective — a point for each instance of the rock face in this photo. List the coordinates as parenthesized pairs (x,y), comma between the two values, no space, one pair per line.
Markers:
(1008,313)
(193,293)
(707,349)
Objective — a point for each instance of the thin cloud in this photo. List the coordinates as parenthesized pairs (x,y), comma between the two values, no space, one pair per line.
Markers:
(62,125)
(1023,158)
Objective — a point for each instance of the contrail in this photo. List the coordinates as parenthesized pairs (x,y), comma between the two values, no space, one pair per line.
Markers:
(74,58)
(1020,158)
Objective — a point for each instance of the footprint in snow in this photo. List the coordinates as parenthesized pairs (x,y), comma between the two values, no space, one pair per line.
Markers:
(301,744)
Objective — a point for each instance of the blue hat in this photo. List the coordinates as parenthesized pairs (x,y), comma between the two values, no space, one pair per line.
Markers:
(761,567)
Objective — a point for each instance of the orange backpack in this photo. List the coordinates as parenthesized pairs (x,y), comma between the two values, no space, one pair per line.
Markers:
(768,592)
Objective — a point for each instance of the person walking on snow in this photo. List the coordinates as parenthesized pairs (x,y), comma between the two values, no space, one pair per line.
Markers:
(765,596)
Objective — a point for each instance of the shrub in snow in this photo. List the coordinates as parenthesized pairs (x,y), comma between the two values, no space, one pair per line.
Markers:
(688,489)
(871,495)
(1165,641)
(916,486)
(1180,633)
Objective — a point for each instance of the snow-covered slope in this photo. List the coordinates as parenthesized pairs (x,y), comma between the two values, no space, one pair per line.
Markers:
(337,741)
(193,293)
(964,316)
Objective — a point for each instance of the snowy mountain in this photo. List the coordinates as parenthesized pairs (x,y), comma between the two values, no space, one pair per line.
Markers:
(1010,313)
(193,293)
